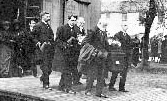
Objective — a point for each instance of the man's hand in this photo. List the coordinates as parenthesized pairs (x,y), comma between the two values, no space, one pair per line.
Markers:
(102,54)
(105,54)
(49,43)
(12,41)
(42,46)
(38,44)
(70,40)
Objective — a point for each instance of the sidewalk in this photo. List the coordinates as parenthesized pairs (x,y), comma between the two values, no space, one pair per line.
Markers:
(142,86)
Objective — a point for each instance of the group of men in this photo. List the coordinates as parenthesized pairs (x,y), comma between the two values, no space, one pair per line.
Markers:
(68,42)
(20,42)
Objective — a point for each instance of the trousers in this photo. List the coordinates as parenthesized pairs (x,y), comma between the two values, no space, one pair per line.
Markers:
(97,72)
(46,65)
(123,75)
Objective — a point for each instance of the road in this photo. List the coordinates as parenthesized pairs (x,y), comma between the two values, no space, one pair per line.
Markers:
(142,86)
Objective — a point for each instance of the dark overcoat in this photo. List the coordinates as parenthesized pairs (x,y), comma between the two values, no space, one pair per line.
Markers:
(126,45)
(78,31)
(65,52)
(43,33)
(99,42)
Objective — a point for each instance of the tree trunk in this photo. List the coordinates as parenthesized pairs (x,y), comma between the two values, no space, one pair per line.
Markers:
(150,15)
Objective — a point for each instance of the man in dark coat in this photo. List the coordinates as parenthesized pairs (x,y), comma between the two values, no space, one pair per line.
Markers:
(154,48)
(98,39)
(44,39)
(30,47)
(126,46)
(164,50)
(79,29)
(6,46)
(135,55)
(18,57)
(67,42)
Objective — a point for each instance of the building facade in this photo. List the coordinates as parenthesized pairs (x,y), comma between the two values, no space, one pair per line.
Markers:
(24,10)
(61,9)
(118,12)
(133,13)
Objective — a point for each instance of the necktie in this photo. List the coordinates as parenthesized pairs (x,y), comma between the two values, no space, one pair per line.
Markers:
(47,25)
(124,34)
(102,36)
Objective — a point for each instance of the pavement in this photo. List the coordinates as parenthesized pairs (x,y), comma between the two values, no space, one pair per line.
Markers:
(142,86)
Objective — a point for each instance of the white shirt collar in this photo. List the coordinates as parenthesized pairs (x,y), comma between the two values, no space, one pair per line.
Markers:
(100,27)
(70,26)
(124,31)
(31,28)
(44,22)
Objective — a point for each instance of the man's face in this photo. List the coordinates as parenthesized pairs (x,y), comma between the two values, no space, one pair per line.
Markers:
(82,23)
(104,25)
(125,27)
(32,23)
(72,21)
(46,17)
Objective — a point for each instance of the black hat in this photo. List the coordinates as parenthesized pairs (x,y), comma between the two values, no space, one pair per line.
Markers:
(70,16)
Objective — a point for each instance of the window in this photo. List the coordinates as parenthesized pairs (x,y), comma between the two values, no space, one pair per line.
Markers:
(32,11)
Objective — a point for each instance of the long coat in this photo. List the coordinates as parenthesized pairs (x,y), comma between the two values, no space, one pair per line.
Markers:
(126,42)
(99,42)
(43,33)
(126,45)
(66,52)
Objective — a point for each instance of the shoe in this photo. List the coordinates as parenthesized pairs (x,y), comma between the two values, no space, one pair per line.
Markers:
(70,91)
(84,77)
(88,93)
(78,83)
(41,79)
(61,89)
(35,76)
(112,89)
(123,90)
(47,87)
(102,96)
(105,85)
